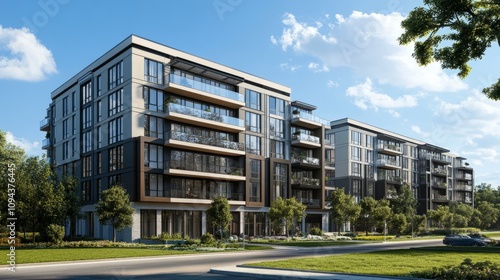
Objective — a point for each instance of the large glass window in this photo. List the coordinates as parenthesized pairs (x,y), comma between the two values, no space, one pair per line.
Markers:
(99,111)
(86,117)
(276,128)
(277,148)
(86,186)
(65,128)
(253,144)
(369,156)
(255,170)
(115,75)
(99,85)
(252,122)
(355,138)
(369,141)
(115,129)
(115,101)
(87,142)
(153,156)
(153,126)
(65,152)
(252,99)
(356,153)
(154,184)
(65,106)
(148,223)
(355,169)
(116,158)
(153,71)
(280,181)
(86,92)
(86,166)
(153,99)
(276,106)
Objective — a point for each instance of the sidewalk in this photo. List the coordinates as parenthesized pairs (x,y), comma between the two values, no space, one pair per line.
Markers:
(267,273)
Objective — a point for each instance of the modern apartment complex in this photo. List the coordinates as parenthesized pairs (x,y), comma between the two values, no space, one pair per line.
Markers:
(176,130)
(374,162)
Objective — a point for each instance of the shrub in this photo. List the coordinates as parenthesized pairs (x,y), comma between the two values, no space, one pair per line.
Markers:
(374,237)
(55,233)
(207,238)
(316,231)
(466,270)
(166,236)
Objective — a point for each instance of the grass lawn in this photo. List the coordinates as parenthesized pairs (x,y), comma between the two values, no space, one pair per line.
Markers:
(24,256)
(317,243)
(390,262)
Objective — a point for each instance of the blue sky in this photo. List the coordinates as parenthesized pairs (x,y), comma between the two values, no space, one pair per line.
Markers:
(339,55)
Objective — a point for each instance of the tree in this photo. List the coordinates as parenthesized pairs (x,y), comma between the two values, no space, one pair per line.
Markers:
(382,212)
(68,187)
(488,213)
(368,205)
(398,223)
(452,33)
(286,212)
(343,208)
(404,202)
(440,215)
(218,214)
(115,209)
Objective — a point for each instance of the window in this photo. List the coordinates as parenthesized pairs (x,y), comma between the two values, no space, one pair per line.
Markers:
(73,147)
(154,184)
(153,126)
(255,170)
(115,102)
(253,144)
(99,85)
(252,122)
(115,129)
(153,99)
(369,172)
(355,138)
(153,156)
(115,180)
(65,151)
(99,163)
(86,117)
(116,158)
(99,137)
(252,99)
(280,181)
(153,71)
(87,142)
(73,124)
(115,75)
(355,169)
(86,186)
(73,101)
(87,166)
(276,128)
(277,149)
(65,106)
(369,156)
(369,141)
(99,188)
(148,223)
(86,91)
(356,153)
(276,106)
(99,111)
(65,128)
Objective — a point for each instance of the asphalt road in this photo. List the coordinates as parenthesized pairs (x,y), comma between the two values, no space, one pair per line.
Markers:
(184,267)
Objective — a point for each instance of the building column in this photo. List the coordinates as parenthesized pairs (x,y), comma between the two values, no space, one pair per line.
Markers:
(158,222)
(242,223)
(325,217)
(303,226)
(136,228)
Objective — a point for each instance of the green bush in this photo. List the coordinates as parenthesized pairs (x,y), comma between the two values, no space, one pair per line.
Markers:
(316,231)
(466,270)
(207,238)
(441,231)
(166,236)
(55,233)
(374,237)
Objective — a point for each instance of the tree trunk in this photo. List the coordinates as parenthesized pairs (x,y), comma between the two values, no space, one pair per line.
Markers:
(114,234)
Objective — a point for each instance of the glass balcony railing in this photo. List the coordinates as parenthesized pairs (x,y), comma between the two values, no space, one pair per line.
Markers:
(305,181)
(389,147)
(328,142)
(209,168)
(201,139)
(464,188)
(44,122)
(440,171)
(305,137)
(437,184)
(306,160)
(310,117)
(46,142)
(222,92)
(309,201)
(176,108)
(194,194)
(465,176)
(439,196)
(387,162)
(329,163)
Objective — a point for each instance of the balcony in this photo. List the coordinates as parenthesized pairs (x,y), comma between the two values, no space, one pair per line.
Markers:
(306,162)
(46,144)
(45,124)
(203,118)
(201,91)
(395,179)
(439,197)
(439,185)
(309,201)
(389,149)
(388,164)
(439,172)
(329,164)
(305,141)
(466,188)
(202,143)
(199,170)
(308,120)
(328,144)
(306,182)
(464,176)
(203,195)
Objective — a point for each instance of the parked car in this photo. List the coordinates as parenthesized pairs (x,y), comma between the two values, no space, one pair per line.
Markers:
(462,240)
(482,237)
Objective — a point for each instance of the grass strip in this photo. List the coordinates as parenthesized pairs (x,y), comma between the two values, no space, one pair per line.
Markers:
(390,262)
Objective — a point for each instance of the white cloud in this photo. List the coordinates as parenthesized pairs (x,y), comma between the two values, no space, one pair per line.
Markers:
(27,58)
(418,130)
(332,84)
(26,145)
(368,44)
(287,66)
(365,96)
(316,68)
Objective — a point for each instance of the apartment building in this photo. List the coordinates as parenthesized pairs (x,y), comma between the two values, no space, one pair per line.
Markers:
(176,130)
(374,162)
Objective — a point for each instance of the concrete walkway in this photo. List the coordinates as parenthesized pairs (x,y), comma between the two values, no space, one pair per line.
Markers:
(267,273)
